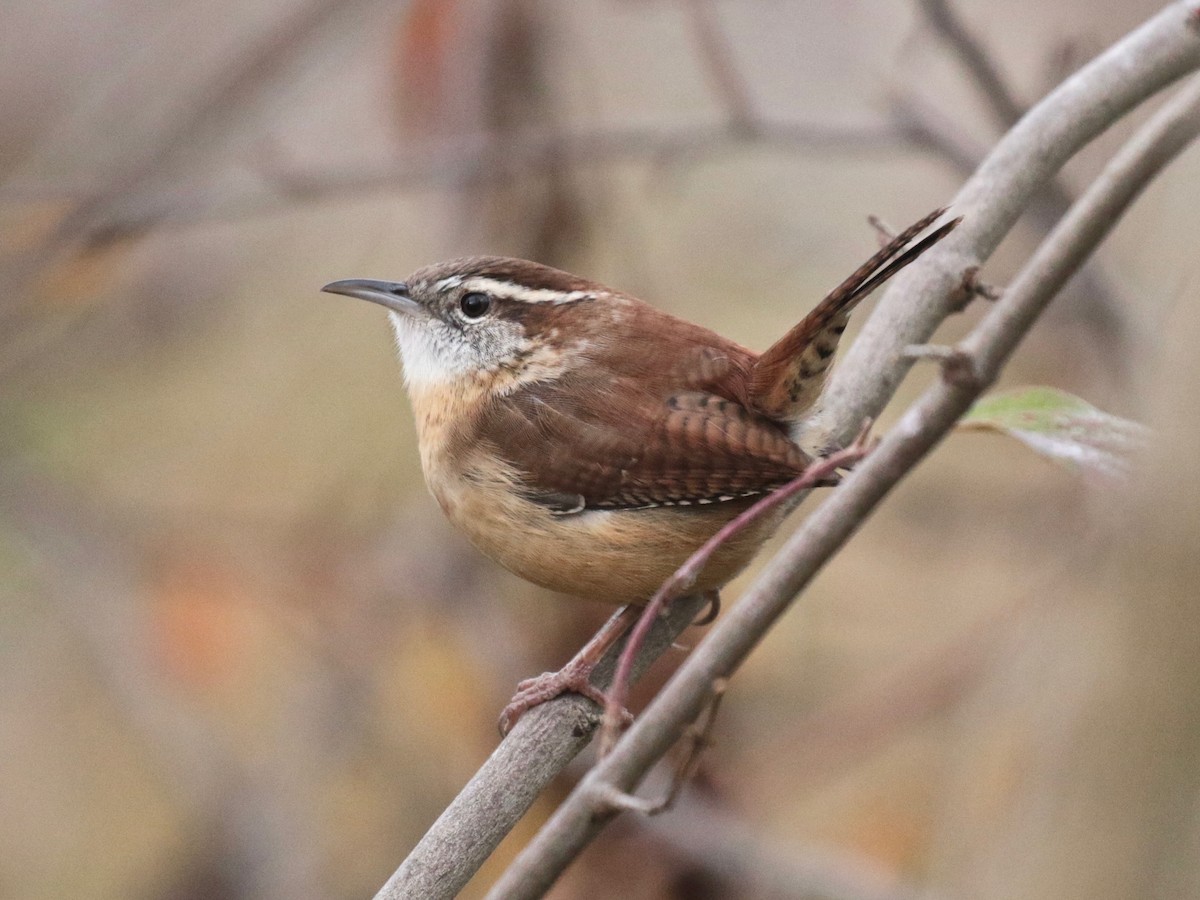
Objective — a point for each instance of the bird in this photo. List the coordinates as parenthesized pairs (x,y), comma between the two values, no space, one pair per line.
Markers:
(589,442)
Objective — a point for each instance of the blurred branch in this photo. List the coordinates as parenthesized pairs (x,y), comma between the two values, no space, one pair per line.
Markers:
(926,127)
(104,210)
(731,86)
(1141,63)
(725,848)
(468,160)
(944,19)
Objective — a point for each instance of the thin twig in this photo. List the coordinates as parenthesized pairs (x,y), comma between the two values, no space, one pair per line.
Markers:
(885,232)
(685,576)
(577,820)
(697,738)
(957,365)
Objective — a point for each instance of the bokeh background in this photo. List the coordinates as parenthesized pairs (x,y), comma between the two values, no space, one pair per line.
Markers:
(243,656)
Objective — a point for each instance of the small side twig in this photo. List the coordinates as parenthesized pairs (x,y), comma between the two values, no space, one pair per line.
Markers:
(697,738)
(971,287)
(958,367)
(885,232)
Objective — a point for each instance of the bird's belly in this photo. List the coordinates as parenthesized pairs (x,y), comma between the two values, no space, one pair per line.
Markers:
(616,556)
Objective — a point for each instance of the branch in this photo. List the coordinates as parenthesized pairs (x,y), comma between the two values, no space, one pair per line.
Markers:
(479,158)
(1010,179)
(539,746)
(988,347)
(927,127)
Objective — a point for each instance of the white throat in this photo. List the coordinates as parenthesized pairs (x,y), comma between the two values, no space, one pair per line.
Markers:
(426,362)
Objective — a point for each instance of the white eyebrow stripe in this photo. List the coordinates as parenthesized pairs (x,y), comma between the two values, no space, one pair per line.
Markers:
(447,283)
(507,290)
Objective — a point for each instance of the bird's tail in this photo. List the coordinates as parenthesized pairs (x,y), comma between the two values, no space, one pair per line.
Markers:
(787,379)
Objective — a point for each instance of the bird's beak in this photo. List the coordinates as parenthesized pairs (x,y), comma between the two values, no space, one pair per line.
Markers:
(392,294)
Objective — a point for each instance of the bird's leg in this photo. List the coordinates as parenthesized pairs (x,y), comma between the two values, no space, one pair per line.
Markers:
(575,676)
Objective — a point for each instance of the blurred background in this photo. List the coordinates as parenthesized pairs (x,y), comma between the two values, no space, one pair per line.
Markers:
(243,656)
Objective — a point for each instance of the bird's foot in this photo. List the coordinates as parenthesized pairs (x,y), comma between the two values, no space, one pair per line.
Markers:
(574,678)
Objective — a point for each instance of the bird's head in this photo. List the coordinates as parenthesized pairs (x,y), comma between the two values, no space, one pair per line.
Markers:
(483,315)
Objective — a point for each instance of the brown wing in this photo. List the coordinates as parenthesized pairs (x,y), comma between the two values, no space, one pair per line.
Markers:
(611,445)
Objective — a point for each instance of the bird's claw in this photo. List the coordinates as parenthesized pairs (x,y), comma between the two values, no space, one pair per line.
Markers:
(531,692)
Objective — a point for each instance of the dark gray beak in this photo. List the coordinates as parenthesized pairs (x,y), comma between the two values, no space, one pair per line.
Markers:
(392,294)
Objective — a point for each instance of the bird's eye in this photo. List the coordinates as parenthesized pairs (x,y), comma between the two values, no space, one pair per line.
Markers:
(475,305)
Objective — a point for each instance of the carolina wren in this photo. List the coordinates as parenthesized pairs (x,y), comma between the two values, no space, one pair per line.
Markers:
(589,442)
